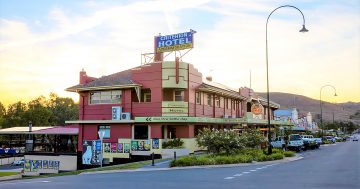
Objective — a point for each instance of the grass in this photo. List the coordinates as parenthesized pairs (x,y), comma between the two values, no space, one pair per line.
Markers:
(4,174)
(244,156)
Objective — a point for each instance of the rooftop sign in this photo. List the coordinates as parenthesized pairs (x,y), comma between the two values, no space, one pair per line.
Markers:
(174,42)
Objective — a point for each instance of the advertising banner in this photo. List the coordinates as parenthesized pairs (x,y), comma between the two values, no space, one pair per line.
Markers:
(107,147)
(91,152)
(126,147)
(120,148)
(174,42)
(155,143)
(113,147)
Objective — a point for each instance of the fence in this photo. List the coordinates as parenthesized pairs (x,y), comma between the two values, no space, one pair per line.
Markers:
(9,160)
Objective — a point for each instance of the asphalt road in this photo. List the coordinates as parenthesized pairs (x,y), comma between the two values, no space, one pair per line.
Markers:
(332,166)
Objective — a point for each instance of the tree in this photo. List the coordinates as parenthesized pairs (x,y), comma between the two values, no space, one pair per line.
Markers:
(2,114)
(252,138)
(220,141)
(38,112)
(15,115)
(62,109)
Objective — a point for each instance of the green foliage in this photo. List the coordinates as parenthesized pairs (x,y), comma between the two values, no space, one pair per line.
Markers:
(252,138)
(211,160)
(174,143)
(220,141)
(243,156)
(289,154)
(40,111)
(274,156)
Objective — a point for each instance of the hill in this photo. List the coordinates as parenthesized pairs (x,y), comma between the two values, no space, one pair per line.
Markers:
(340,111)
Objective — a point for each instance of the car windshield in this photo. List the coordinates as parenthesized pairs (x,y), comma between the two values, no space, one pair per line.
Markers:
(295,137)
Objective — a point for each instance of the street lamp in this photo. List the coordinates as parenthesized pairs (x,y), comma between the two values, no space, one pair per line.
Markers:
(101,134)
(303,29)
(321,119)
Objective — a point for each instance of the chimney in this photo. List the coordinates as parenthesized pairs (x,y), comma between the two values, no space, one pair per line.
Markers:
(83,76)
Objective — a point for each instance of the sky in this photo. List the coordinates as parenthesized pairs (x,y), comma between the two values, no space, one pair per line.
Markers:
(44,44)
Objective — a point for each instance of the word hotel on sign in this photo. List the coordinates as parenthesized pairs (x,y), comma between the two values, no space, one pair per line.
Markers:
(171,40)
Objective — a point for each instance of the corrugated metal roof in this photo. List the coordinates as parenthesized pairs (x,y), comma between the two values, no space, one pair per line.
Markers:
(59,130)
(21,129)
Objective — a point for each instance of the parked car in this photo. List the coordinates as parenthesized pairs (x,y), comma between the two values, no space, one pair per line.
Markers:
(18,162)
(279,142)
(330,139)
(310,142)
(296,143)
(319,141)
(354,138)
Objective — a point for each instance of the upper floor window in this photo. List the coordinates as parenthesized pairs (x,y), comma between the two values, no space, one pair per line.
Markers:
(179,95)
(198,98)
(217,101)
(105,97)
(209,98)
(146,95)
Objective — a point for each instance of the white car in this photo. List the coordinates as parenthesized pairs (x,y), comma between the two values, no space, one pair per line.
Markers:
(18,162)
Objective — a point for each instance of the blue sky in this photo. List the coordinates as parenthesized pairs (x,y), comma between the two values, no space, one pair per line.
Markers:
(43,41)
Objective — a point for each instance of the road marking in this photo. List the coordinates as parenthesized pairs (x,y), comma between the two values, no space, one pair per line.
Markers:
(260,168)
(228,178)
(245,172)
(253,170)
(41,181)
(237,175)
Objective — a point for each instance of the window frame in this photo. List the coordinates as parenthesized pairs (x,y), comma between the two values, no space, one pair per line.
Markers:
(197,97)
(111,100)
(209,99)
(182,95)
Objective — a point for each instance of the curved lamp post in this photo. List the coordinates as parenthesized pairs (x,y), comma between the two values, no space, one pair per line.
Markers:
(321,119)
(303,29)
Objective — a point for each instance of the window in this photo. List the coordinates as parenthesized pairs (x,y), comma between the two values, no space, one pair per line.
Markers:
(198,98)
(146,95)
(141,132)
(105,97)
(209,97)
(217,101)
(106,129)
(179,95)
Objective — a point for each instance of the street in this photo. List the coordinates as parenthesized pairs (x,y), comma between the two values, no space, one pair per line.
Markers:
(332,166)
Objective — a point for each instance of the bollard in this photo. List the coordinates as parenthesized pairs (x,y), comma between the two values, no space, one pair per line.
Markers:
(152,158)
(174,155)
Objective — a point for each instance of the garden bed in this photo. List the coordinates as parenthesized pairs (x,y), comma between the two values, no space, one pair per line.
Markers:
(243,156)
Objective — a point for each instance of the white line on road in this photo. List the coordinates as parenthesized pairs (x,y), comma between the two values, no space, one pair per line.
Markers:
(260,168)
(253,170)
(238,175)
(245,172)
(228,178)
(41,181)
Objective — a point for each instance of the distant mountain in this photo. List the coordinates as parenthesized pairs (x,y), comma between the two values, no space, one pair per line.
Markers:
(340,111)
